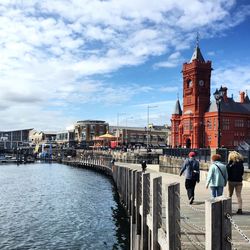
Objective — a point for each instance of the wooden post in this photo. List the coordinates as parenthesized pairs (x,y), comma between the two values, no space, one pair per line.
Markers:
(133,190)
(125,187)
(226,224)
(156,211)
(173,231)
(128,191)
(145,209)
(123,184)
(132,211)
(248,159)
(213,223)
(114,173)
(138,201)
(119,180)
(130,176)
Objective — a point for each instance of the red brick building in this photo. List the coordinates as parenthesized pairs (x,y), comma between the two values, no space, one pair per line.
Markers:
(197,125)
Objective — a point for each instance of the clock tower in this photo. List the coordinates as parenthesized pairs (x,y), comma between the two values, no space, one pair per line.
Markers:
(201,123)
(196,84)
(196,99)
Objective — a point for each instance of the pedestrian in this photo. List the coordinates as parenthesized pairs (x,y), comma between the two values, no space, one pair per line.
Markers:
(217,176)
(192,174)
(143,166)
(235,170)
(112,164)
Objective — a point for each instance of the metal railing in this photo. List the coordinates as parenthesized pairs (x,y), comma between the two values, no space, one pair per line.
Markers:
(204,154)
(201,153)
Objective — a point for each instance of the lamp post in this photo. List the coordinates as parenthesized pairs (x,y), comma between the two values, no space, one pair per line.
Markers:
(149,107)
(218,96)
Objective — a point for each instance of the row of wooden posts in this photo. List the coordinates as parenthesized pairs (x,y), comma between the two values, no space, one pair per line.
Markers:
(154,209)
(155,216)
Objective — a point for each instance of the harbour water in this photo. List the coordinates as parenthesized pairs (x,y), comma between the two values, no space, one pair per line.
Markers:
(52,206)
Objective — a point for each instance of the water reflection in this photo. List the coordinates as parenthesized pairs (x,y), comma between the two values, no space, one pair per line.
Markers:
(122,223)
(52,206)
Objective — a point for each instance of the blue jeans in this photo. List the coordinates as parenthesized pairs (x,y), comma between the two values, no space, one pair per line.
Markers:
(216,191)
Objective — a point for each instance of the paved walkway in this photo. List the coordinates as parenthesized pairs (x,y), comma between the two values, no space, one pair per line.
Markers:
(193,217)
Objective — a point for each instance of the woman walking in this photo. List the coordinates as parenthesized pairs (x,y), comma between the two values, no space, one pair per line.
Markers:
(217,176)
(192,173)
(235,170)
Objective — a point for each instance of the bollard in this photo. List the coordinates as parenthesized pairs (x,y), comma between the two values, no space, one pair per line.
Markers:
(156,211)
(130,178)
(133,190)
(138,197)
(218,227)
(145,210)
(173,231)
(248,159)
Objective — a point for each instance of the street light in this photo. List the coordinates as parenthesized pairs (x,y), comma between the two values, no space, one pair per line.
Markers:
(218,96)
(149,107)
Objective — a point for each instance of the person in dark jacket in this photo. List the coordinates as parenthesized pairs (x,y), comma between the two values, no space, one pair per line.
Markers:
(192,174)
(143,166)
(235,170)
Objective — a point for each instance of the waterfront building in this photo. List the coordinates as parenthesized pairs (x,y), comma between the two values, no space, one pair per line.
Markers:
(66,138)
(86,130)
(14,138)
(41,137)
(130,136)
(197,125)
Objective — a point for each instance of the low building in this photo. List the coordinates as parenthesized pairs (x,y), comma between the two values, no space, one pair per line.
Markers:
(154,136)
(41,137)
(14,138)
(87,130)
(66,138)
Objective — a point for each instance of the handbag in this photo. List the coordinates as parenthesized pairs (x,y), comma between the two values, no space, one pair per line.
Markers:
(195,173)
(221,174)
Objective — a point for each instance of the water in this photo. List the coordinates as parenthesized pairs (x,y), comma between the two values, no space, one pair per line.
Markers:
(52,206)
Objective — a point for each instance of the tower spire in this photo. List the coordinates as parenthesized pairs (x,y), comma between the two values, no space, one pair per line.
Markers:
(197,39)
(177,108)
(197,52)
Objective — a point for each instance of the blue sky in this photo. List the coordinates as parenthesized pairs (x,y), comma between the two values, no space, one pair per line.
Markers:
(68,60)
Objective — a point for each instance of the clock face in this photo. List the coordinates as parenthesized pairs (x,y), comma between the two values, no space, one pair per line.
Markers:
(201,83)
(190,83)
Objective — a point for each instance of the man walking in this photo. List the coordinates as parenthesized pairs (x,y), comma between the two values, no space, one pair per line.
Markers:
(192,174)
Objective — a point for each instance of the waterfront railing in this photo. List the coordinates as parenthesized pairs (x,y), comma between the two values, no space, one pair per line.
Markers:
(156,211)
(204,154)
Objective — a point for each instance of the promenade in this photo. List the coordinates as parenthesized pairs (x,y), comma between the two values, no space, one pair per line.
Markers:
(193,216)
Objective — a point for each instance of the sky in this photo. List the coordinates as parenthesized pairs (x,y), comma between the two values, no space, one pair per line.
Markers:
(62,61)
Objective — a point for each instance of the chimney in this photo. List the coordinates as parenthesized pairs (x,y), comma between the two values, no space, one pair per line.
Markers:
(242,97)
(225,94)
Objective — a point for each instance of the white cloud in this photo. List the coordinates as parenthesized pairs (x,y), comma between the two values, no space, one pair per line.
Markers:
(50,50)
(211,53)
(169,89)
(159,114)
(175,59)
(235,78)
